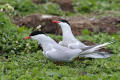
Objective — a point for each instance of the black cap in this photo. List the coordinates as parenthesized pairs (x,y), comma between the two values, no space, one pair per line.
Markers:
(65,21)
(36,33)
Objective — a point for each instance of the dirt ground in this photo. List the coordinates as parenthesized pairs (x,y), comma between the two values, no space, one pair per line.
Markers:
(78,23)
(66,5)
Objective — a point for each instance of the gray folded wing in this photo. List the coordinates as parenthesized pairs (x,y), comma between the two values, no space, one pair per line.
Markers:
(63,54)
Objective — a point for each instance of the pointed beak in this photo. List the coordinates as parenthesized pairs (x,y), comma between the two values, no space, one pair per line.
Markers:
(54,21)
(28,37)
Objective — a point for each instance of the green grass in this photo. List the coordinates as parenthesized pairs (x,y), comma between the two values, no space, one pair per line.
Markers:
(22,60)
(28,7)
(87,6)
(84,7)
(26,62)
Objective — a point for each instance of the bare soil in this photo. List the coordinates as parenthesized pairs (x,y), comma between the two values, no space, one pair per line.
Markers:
(78,23)
(103,24)
(45,21)
(66,5)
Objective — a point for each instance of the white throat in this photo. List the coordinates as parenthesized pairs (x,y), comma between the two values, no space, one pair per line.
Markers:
(46,42)
(66,31)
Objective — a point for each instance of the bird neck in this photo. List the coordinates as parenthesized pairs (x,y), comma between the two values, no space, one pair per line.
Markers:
(67,33)
(46,42)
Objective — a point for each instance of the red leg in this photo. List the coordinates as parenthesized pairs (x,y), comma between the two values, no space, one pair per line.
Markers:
(60,63)
(57,63)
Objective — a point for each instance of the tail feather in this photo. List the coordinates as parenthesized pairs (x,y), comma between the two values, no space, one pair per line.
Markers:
(96,55)
(94,48)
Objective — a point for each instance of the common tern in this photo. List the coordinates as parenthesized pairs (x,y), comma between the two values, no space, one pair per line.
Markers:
(71,42)
(52,50)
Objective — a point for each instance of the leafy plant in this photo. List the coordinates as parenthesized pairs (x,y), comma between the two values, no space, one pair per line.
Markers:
(87,6)
(118,25)
(22,60)
(12,39)
(27,7)
(85,32)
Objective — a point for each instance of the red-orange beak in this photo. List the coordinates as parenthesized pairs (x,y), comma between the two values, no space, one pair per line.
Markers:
(54,21)
(28,37)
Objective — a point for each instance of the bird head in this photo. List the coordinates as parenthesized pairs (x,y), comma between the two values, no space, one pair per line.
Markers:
(35,35)
(61,22)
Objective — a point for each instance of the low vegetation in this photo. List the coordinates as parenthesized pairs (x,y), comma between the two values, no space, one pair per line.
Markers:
(22,59)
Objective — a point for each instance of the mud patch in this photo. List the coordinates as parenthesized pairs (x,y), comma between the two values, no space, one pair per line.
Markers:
(78,23)
(34,20)
(96,25)
(66,5)
(107,24)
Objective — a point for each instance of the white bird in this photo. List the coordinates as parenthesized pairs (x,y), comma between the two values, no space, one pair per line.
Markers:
(70,41)
(53,50)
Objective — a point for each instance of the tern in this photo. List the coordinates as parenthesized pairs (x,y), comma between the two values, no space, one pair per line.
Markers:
(71,42)
(52,50)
